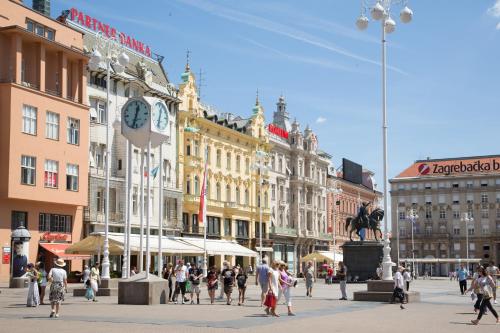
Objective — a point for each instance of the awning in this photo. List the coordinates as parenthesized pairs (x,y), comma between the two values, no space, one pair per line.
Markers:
(324,255)
(220,247)
(58,249)
(441,260)
(264,249)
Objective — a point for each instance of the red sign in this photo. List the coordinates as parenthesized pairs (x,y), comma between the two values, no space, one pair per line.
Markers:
(278,131)
(51,237)
(6,255)
(94,24)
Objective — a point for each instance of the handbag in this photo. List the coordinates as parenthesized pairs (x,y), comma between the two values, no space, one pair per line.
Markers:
(270,301)
(188,286)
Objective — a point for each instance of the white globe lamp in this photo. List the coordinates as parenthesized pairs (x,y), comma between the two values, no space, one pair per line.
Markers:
(406,15)
(389,25)
(362,22)
(378,11)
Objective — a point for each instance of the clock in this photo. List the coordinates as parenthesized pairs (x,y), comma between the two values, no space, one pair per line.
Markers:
(136,114)
(160,116)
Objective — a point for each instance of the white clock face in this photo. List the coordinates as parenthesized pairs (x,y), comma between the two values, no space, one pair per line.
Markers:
(136,114)
(160,116)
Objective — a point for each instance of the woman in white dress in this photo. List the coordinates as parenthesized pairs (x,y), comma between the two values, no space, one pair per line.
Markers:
(58,286)
(33,296)
(274,287)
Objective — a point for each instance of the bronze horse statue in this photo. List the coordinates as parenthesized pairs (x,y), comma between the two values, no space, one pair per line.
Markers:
(373,223)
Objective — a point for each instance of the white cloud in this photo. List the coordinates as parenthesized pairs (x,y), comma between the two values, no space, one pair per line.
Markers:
(320,120)
(495,10)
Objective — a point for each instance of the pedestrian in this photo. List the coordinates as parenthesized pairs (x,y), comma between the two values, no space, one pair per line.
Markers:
(85,274)
(168,274)
(310,278)
(286,283)
(476,290)
(42,280)
(241,280)
(342,277)
(195,277)
(225,265)
(181,277)
(33,299)
(407,278)
(249,270)
(262,279)
(228,278)
(486,284)
(379,271)
(212,283)
(273,291)
(329,274)
(95,280)
(462,273)
(133,271)
(494,272)
(399,287)
(58,286)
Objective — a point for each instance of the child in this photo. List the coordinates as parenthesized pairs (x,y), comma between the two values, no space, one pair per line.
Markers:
(89,293)
(241,278)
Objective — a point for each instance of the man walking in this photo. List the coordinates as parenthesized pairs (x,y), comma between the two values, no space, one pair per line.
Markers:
(181,276)
(195,277)
(463,273)
(494,273)
(399,287)
(342,276)
(225,265)
(262,279)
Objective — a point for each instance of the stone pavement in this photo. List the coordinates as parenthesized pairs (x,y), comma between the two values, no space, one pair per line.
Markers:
(442,310)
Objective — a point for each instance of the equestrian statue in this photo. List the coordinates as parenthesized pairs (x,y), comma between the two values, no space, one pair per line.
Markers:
(365,220)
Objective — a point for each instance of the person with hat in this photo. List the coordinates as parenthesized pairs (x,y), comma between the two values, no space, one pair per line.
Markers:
(58,286)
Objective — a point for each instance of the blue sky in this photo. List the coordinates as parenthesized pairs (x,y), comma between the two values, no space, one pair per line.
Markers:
(443,81)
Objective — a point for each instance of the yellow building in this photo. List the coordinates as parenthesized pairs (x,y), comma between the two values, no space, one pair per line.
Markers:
(232,176)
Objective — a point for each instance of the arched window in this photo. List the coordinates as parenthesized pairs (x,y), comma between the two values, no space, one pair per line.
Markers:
(237,195)
(228,161)
(218,191)
(247,166)
(188,148)
(188,186)
(218,158)
(238,160)
(265,200)
(228,193)
(247,197)
(196,185)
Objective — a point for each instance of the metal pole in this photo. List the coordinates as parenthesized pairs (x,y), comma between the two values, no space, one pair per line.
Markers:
(334,226)
(397,232)
(384,126)
(148,212)
(412,243)
(105,260)
(260,213)
(129,211)
(141,215)
(467,237)
(160,212)
(127,203)
(205,268)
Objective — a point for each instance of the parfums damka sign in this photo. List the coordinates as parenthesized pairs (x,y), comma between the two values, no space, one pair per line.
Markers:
(459,167)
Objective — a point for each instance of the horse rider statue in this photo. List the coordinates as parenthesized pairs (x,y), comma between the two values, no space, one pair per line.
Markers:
(363,214)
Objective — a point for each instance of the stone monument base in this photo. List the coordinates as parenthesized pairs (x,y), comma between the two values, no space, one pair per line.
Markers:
(138,290)
(381,291)
(18,282)
(362,259)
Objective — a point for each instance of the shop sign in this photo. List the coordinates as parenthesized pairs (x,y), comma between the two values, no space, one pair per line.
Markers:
(478,166)
(54,237)
(86,21)
(5,255)
(277,131)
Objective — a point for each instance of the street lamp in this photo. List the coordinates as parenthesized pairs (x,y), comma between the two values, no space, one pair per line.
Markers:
(380,11)
(261,156)
(114,55)
(467,217)
(412,216)
(335,191)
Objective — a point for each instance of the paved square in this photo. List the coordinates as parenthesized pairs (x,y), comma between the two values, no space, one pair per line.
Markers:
(442,310)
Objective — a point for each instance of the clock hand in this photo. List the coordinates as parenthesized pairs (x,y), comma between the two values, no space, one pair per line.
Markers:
(136,115)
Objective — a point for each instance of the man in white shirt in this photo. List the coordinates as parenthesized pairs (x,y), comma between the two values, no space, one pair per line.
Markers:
(407,278)
(181,276)
(493,272)
(399,286)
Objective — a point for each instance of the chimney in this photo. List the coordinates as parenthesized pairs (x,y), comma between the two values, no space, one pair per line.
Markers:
(42,6)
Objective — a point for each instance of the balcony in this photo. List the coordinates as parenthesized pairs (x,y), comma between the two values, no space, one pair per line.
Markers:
(230,205)
(284,231)
(309,234)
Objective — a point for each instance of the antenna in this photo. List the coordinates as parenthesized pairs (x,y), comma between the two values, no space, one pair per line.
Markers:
(187,59)
(201,82)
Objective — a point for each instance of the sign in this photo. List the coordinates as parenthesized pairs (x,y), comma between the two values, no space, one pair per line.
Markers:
(277,131)
(52,237)
(477,166)
(83,20)
(6,255)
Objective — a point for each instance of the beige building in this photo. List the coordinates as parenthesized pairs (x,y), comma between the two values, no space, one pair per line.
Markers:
(442,192)
(232,183)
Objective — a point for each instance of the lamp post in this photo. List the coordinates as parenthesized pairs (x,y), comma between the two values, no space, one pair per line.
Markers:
(467,217)
(412,216)
(259,165)
(335,191)
(113,55)
(380,11)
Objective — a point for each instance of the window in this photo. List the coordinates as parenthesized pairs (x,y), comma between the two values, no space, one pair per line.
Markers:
(188,186)
(196,185)
(196,147)
(428,212)
(456,230)
(485,229)
(29,119)
(428,186)
(471,230)
(18,219)
(72,177)
(456,246)
(472,246)
(247,197)
(217,186)
(188,148)
(484,183)
(273,192)
(218,158)
(428,199)
(51,173)
(238,198)
(247,166)
(442,213)
(30,26)
(455,185)
(50,34)
(228,161)
(227,227)
(469,184)
(40,30)
(194,223)
(73,131)
(456,198)
(52,126)
(102,114)
(428,230)
(134,200)
(402,247)
(470,198)
(456,214)
(442,198)
(402,216)
(241,229)
(55,223)
(484,198)
(185,222)
(238,160)
(28,170)
(498,213)
(213,225)
(228,193)
(485,213)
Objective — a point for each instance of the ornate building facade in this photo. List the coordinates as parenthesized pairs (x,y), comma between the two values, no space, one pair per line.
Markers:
(233,211)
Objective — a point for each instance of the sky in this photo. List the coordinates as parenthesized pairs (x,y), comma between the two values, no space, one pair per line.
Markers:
(442,79)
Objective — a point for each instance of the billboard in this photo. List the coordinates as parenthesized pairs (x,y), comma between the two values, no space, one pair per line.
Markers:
(352,172)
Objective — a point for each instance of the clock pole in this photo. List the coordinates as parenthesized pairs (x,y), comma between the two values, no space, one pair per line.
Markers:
(105,260)
(141,213)
(148,211)
(160,212)
(127,203)
(129,206)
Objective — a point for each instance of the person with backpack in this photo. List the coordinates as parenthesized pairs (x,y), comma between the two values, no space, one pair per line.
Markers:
(486,285)
(241,280)
(228,277)
(195,277)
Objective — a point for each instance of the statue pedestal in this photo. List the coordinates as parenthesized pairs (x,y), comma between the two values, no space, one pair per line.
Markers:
(381,291)
(141,291)
(362,259)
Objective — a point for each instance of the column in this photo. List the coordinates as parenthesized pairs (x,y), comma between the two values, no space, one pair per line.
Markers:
(16,59)
(62,64)
(41,67)
(82,84)
(74,80)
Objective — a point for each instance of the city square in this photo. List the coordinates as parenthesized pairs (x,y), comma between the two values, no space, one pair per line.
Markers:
(331,165)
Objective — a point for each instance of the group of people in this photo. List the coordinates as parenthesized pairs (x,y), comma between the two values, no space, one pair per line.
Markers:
(38,279)
(91,279)
(402,279)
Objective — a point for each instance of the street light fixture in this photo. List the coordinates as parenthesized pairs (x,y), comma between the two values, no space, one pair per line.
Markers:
(335,191)
(116,56)
(380,11)
(261,156)
(412,216)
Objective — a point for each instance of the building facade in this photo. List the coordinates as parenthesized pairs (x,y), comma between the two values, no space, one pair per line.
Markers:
(442,192)
(298,181)
(232,192)
(44,133)
(144,76)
